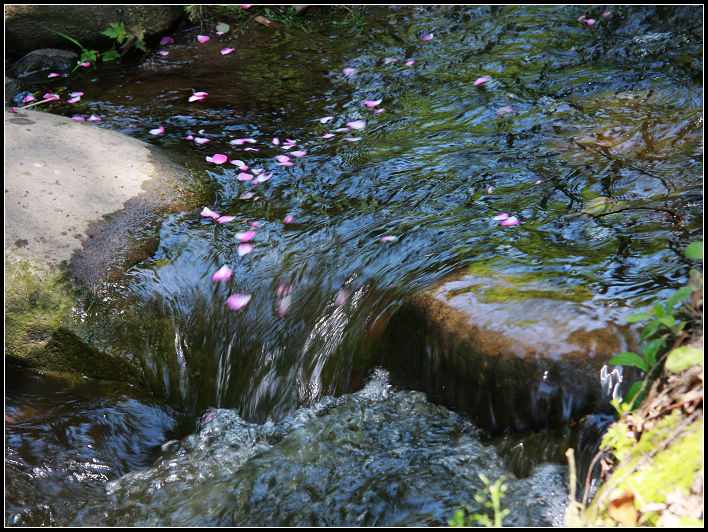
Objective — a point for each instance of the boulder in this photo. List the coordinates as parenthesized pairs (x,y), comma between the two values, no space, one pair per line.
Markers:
(82,204)
(44,60)
(25,24)
(514,353)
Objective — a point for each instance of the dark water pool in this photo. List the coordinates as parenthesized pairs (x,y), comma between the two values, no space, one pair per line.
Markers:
(518,109)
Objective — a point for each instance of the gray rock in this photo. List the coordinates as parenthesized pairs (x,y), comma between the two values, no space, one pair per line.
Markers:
(82,204)
(514,353)
(25,24)
(44,61)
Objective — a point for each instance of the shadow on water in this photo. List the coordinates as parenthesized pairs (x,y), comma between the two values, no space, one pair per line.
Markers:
(572,112)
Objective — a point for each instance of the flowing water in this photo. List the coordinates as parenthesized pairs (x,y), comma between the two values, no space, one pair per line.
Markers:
(300,431)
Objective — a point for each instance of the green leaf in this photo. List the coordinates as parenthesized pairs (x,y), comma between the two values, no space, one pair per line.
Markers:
(658,310)
(694,250)
(680,295)
(668,320)
(110,55)
(77,43)
(649,329)
(652,348)
(629,399)
(695,279)
(116,30)
(638,317)
(683,357)
(628,359)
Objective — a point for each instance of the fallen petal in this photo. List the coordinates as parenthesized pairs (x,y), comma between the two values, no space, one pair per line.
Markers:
(502,216)
(246,195)
(512,220)
(202,38)
(29,98)
(410,62)
(201,140)
(357,124)
(537,182)
(53,75)
(225,51)
(73,94)
(326,119)
(282,158)
(243,176)
(94,118)
(388,238)
(606,13)
(166,40)
(284,290)
(298,153)
(219,158)
(504,110)
(74,100)
(263,178)
(284,305)
(490,190)
(245,236)
(224,219)
(244,249)
(189,137)
(86,64)
(206,211)
(348,71)
(50,96)
(251,149)
(341,130)
(162,53)
(377,111)
(327,136)
(352,139)
(481,80)
(77,117)
(238,301)
(275,141)
(341,298)
(388,60)
(589,21)
(288,219)
(157,131)
(222,274)
(372,103)
(427,37)
(286,163)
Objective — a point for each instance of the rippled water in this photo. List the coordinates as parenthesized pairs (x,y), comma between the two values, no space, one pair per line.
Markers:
(613,109)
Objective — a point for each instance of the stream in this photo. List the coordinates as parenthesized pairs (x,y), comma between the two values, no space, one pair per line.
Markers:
(276,413)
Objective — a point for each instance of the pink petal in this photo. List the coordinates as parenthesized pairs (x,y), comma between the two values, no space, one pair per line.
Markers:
(298,153)
(481,80)
(166,40)
(77,117)
(225,51)
(502,216)
(157,131)
(348,71)
(74,94)
(14,110)
(537,182)
(28,98)
(74,100)
(326,119)
(263,178)
(410,62)
(504,110)
(238,301)
(490,190)
(286,163)
(356,124)
(284,305)
(276,141)
(352,139)
(341,298)
(255,224)
(246,6)
(195,98)
(224,219)
(243,176)
(244,249)
(288,219)
(282,158)
(284,290)
(251,149)
(53,75)
(94,118)
(162,53)
(327,136)
(222,274)
(202,38)
(377,111)
(606,13)
(201,140)
(206,211)
(512,220)
(245,236)
(189,137)
(218,158)
(390,60)
(582,17)
(388,238)
(246,195)
(427,37)
(50,96)
(86,64)
(589,21)
(372,103)
(341,130)
(238,162)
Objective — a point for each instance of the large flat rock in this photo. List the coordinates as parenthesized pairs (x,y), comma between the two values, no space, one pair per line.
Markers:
(82,204)
(515,353)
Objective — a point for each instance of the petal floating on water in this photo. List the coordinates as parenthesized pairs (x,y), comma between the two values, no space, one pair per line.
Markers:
(218,158)
(428,37)
(224,219)
(157,131)
(243,176)
(327,136)
(298,153)
(244,249)
(348,71)
(284,305)
(372,103)
(225,51)
(288,219)
(53,75)
(490,190)
(511,220)
(202,38)
(162,53)
(238,301)
(206,211)
(502,216)
(388,238)
(166,40)
(481,80)
(282,158)
(245,236)
(410,62)
(94,118)
(326,119)
(222,274)
(352,139)
(357,124)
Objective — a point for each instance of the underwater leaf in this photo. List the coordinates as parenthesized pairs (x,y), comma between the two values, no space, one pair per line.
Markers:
(683,357)
(602,205)
(628,359)
(694,250)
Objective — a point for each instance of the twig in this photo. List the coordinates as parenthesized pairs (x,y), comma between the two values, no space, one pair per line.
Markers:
(36,103)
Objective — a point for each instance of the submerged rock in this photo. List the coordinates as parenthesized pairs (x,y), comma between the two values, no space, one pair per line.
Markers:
(513,353)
